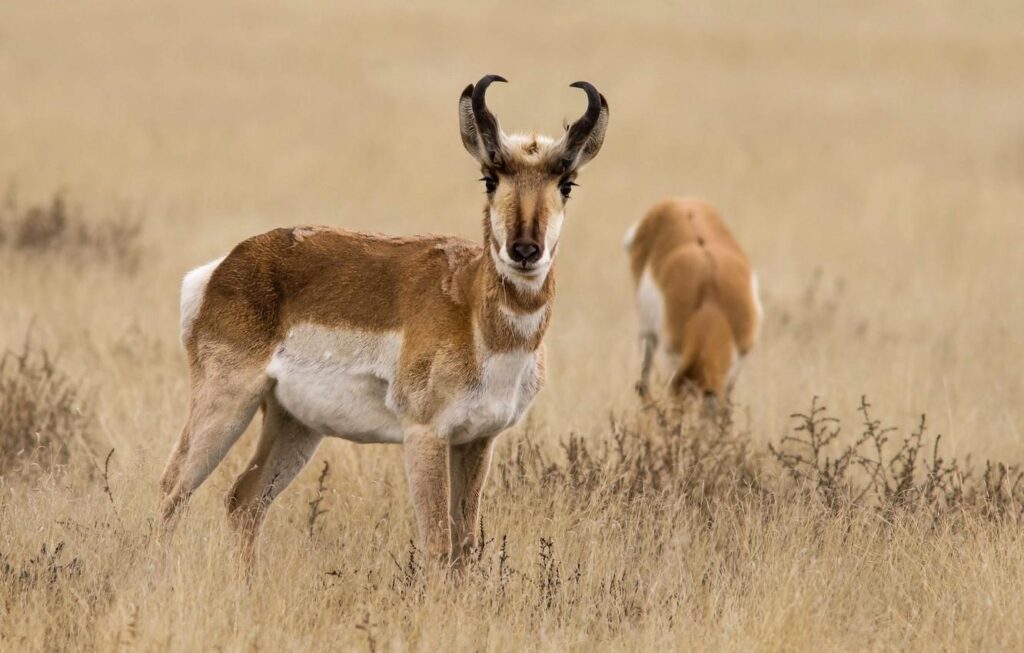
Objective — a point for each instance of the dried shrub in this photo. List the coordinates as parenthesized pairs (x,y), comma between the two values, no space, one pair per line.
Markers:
(656,453)
(56,228)
(46,569)
(897,477)
(42,420)
(658,467)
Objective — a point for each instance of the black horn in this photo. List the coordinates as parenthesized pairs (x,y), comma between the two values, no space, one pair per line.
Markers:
(486,123)
(594,101)
(584,137)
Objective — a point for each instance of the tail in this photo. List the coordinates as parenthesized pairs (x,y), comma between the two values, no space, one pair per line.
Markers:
(193,291)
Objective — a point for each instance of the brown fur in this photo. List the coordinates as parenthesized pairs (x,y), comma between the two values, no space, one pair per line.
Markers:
(433,288)
(705,280)
(450,299)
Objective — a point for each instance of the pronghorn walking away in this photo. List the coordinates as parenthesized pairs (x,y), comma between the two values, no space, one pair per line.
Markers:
(696,296)
(435,343)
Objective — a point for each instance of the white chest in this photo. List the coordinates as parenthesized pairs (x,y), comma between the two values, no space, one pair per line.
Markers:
(508,383)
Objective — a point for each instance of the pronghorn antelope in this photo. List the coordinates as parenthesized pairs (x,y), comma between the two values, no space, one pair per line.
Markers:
(696,296)
(432,342)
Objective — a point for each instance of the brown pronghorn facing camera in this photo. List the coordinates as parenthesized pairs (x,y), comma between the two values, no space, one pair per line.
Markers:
(696,296)
(432,342)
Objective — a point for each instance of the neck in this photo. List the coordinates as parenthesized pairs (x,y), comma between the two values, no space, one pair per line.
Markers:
(511,312)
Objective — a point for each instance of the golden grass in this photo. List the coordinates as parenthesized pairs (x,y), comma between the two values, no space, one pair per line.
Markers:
(871,160)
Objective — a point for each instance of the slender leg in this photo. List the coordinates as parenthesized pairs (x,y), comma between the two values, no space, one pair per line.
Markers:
(734,373)
(711,406)
(426,467)
(284,448)
(220,408)
(649,342)
(469,465)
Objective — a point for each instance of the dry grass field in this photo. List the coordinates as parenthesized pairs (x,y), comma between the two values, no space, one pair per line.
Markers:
(869,155)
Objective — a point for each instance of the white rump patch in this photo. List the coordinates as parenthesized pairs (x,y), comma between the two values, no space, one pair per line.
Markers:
(627,240)
(650,304)
(193,290)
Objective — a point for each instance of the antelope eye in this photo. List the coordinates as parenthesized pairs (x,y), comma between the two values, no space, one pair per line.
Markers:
(566,188)
(490,184)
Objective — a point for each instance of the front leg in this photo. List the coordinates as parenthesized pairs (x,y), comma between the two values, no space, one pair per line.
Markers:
(426,467)
(469,465)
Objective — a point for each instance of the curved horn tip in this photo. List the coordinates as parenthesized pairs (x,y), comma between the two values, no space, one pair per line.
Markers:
(466,92)
(591,91)
(487,79)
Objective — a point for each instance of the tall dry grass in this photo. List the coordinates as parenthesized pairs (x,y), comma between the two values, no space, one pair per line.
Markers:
(870,158)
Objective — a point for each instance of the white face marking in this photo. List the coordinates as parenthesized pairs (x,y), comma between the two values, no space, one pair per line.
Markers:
(533,278)
(650,304)
(525,324)
(340,381)
(193,290)
(529,284)
(551,236)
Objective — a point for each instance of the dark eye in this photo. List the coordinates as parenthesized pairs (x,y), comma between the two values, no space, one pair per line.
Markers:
(490,184)
(566,188)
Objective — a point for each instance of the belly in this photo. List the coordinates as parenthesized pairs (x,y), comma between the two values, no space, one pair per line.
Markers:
(339,382)
(342,384)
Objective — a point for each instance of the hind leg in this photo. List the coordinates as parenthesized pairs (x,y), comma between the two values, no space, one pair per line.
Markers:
(223,402)
(649,342)
(284,448)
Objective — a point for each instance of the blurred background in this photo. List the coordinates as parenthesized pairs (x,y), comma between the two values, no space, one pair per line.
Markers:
(869,156)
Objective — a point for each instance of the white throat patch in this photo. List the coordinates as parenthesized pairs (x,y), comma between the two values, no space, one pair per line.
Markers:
(525,324)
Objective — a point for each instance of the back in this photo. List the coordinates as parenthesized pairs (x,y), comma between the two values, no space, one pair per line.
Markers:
(325,275)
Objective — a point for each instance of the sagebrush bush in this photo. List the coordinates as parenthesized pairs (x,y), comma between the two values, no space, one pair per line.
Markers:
(665,467)
(57,228)
(895,476)
(43,414)
(657,451)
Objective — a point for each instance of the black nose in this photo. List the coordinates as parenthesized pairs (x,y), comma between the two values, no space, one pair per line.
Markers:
(524,251)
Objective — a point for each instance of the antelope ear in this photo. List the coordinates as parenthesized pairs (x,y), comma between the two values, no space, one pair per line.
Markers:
(583,139)
(481,135)
(467,125)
